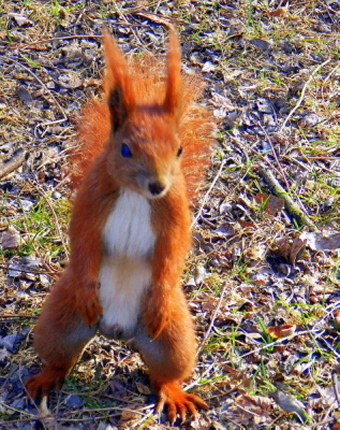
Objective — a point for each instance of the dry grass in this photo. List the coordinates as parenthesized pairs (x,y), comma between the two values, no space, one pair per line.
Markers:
(263,287)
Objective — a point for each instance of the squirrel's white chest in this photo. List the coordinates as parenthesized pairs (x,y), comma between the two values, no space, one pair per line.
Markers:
(125,272)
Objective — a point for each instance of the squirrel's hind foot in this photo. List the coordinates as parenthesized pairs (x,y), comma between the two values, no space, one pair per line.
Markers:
(178,402)
(40,385)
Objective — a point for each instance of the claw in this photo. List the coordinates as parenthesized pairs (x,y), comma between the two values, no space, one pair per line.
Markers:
(42,383)
(44,411)
(178,403)
(159,406)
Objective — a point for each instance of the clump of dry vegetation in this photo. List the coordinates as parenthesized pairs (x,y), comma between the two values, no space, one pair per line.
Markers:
(264,274)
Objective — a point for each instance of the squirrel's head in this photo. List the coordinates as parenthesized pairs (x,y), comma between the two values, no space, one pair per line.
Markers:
(144,148)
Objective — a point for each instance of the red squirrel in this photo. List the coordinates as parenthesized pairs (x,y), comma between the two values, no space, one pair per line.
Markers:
(144,149)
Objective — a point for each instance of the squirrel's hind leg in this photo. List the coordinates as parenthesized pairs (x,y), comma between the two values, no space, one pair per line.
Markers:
(170,358)
(59,338)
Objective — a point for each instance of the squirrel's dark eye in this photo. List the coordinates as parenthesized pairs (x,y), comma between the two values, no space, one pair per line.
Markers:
(125,151)
(179,152)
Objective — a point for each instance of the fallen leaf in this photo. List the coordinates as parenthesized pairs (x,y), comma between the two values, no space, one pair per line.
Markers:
(337,317)
(309,120)
(221,101)
(261,44)
(143,389)
(328,394)
(20,19)
(129,416)
(297,246)
(246,224)
(272,205)
(24,95)
(280,11)
(321,241)
(281,331)
(70,81)
(253,335)
(289,404)
(225,230)
(262,401)
(230,370)
(199,274)
(9,239)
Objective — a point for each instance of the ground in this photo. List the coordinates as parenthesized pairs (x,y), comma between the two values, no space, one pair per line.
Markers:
(263,275)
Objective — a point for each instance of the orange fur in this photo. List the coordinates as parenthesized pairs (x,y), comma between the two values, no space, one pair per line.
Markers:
(129,160)
(195,122)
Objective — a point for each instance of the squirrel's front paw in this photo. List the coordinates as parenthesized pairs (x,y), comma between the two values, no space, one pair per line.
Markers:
(88,305)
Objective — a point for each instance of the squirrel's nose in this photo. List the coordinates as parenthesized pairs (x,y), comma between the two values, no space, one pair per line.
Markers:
(156,188)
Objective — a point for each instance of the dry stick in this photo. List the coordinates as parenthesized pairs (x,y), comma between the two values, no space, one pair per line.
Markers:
(278,162)
(205,198)
(328,7)
(11,165)
(74,36)
(274,153)
(67,418)
(207,334)
(335,388)
(290,205)
(27,270)
(303,93)
(133,31)
(203,375)
(53,39)
(274,343)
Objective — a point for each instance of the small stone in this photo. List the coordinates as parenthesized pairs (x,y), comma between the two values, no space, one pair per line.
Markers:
(208,67)
(56,195)
(199,274)
(26,205)
(191,282)
(261,44)
(20,19)
(44,280)
(24,95)
(225,207)
(309,120)
(10,239)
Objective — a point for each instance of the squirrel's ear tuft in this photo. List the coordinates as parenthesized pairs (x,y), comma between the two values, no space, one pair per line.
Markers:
(117,83)
(173,82)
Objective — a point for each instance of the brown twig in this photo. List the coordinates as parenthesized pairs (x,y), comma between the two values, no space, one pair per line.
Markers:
(205,198)
(213,318)
(290,205)
(11,165)
(53,39)
(11,318)
(34,271)
(324,4)
(274,153)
